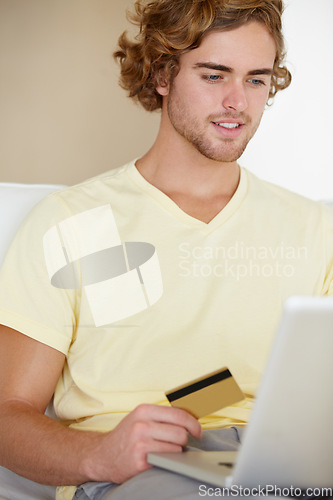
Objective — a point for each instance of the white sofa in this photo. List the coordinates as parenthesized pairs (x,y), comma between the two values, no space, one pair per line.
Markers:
(16,200)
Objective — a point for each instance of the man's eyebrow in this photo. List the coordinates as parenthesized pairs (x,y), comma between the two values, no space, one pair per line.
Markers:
(262,71)
(227,69)
(217,67)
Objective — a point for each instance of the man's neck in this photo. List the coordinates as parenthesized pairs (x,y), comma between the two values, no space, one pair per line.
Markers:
(199,186)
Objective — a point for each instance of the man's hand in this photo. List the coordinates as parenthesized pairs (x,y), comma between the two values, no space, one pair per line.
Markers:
(149,428)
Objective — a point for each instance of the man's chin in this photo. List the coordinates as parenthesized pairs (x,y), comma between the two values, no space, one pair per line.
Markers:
(230,156)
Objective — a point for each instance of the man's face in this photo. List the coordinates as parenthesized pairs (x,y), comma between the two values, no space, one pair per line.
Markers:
(216,101)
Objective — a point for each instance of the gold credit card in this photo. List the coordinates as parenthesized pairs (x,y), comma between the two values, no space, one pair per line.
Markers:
(207,394)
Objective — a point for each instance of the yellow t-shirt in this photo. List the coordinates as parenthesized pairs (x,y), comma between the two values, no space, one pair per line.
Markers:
(142,297)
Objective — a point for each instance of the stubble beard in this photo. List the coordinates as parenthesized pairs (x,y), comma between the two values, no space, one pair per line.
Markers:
(221,149)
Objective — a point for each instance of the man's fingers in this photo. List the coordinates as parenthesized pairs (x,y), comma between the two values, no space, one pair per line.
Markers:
(169,415)
(169,433)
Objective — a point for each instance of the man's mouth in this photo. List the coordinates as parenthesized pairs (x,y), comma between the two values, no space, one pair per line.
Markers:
(229,129)
(227,125)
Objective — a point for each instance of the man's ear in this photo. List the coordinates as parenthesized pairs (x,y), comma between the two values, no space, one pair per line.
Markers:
(161,83)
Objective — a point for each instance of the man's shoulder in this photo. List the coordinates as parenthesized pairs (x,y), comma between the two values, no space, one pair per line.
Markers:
(106,178)
(97,189)
(284,200)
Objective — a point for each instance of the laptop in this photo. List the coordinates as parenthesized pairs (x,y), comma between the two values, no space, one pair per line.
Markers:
(289,439)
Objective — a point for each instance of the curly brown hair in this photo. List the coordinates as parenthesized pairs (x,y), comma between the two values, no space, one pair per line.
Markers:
(169,28)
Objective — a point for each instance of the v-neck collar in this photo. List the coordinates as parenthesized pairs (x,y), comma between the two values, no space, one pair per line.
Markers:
(169,205)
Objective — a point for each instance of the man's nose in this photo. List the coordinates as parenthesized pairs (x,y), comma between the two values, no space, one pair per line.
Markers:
(234,97)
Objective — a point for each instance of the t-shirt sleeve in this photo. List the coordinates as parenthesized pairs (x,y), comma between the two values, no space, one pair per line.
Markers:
(29,302)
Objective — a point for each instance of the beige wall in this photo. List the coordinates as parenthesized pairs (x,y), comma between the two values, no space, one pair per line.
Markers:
(63,117)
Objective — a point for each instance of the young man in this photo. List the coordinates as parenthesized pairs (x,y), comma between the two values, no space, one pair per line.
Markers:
(158,272)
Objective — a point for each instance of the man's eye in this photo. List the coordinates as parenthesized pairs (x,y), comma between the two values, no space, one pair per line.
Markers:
(212,78)
(257,82)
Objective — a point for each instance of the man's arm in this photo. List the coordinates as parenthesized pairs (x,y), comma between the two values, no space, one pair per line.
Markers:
(37,447)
